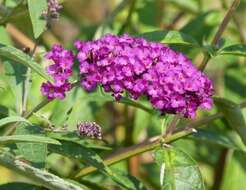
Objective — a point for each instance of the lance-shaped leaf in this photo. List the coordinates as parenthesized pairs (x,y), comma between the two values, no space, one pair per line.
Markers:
(18,56)
(27,138)
(178,170)
(233,114)
(170,37)
(223,140)
(73,137)
(37,176)
(237,50)
(82,153)
(36,8)
(34,152)
(17,186)
(16,75)
(126,181)
(12,119)
(90,157)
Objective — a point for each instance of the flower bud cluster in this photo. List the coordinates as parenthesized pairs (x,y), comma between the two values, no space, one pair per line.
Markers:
(89,129)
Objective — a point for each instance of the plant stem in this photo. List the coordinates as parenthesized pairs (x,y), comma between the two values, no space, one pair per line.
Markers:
(27,82)
(12,128)
(152,143)
(172,125)
(129,16)
(136,104)
(220,168)
(43,103)
(220,31)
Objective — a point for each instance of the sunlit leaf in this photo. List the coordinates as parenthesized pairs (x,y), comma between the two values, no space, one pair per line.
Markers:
(178,170)
(36,8)
(170,37)
(237,50)
(15,76)
(127,181)
(27,139)
(12,119)
(82,153)
(34,152)
(18,56)
(73,137)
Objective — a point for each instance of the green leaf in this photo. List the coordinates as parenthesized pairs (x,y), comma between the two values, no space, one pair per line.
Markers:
(216,138)
(17,186)
(34,152)
(36,8)
(12,119)
(127,181)
(27,138)
(18,56)
(36,176)
(170,37)
(73,137)
(235,172)
(89,157)
(15,75)
(233,114)
(86,155)
(178,170)
(237,50)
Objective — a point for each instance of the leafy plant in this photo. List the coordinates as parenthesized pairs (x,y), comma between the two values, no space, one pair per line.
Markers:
(122,111)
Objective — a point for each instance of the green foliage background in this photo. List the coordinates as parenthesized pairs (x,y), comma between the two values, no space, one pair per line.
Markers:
(215,153)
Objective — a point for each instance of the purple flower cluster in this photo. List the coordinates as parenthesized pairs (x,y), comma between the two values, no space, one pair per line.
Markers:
(89,129)
(126,64)
(60,70)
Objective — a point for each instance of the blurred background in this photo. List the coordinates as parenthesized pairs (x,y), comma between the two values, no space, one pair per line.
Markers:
(222,166)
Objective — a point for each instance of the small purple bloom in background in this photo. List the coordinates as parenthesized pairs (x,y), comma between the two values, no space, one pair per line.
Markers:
(89,129)
(52,12)
(123,63)
(60,70)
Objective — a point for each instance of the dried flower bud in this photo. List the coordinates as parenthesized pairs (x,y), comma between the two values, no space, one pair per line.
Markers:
(89,129)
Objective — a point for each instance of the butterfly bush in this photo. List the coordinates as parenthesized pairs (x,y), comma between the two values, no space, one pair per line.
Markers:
(141,68)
